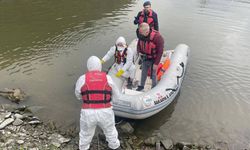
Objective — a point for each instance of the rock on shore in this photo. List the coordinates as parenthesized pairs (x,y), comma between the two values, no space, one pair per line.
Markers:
(20,129)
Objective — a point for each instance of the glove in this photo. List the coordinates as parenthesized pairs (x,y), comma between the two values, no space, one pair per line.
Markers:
(119,73)
(102,61)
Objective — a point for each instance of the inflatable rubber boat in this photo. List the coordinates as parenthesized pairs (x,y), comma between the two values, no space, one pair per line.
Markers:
(143,104)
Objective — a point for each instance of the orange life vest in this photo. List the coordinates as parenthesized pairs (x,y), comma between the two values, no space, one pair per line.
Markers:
(163,68)
(96,92)
(148,47)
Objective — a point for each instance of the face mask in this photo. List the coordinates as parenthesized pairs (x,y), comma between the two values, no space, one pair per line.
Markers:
(119,48)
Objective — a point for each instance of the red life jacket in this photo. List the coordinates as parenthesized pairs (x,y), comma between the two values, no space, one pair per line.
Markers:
(120,57)
(96,93)
(148,47)
(149,20)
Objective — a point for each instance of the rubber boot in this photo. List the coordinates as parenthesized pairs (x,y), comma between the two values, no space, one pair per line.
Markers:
(140,88)
(130,84)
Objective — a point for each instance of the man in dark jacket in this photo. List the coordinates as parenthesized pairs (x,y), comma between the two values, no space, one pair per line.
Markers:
(150,46)
(147,15)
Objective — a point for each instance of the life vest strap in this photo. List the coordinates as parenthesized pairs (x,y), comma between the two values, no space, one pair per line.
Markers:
(96,92)
(96,101)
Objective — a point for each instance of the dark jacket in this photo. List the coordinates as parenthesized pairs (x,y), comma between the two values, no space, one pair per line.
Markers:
(158,41)
(155,18)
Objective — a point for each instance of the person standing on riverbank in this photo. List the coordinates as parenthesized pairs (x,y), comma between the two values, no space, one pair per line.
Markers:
(123,60)
(96,89)
(147,15)
(150,47)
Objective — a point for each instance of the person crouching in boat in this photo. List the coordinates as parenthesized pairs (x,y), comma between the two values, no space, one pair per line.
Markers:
(123,60)
(150,47)
(96,90)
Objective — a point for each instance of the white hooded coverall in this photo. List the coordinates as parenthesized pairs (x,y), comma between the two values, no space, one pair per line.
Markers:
(103,117)
(128,67)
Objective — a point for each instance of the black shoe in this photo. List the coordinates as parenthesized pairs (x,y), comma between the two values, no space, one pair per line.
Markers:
(140,88)
(129,85)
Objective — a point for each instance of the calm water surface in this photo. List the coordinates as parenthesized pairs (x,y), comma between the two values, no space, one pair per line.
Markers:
(44,46)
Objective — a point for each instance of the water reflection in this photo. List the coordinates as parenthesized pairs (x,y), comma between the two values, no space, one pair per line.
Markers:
(152,124)
(36,31)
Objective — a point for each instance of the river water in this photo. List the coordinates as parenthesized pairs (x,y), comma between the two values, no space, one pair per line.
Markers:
(44,46)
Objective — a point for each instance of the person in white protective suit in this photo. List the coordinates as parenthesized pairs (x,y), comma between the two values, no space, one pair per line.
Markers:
(123,60)
(96,90)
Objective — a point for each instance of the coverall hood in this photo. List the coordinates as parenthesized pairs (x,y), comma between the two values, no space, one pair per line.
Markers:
(120,43)
(94,63)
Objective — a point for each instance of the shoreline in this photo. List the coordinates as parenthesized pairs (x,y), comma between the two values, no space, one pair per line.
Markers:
(20,129)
